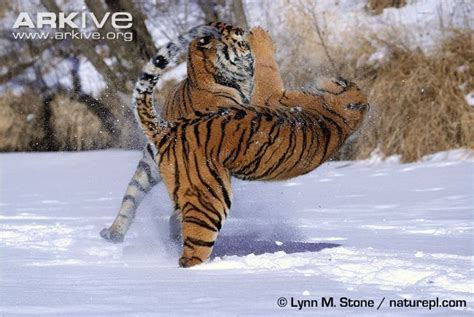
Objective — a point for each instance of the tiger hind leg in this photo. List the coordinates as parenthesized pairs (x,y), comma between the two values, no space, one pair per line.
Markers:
(199,231)
(203,209)
(146,176)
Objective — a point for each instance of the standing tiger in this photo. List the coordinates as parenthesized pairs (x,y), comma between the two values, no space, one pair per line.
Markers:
(289,135)
(223,76)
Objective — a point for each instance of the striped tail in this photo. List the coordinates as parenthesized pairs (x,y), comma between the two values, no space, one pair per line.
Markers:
(145,113)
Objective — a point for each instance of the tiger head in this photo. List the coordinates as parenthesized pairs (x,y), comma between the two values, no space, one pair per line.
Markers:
(346,99)
(223,58)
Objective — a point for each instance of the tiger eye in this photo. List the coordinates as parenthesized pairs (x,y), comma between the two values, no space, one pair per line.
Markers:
(204,40)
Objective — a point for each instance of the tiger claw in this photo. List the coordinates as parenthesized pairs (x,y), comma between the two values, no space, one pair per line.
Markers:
(111,236)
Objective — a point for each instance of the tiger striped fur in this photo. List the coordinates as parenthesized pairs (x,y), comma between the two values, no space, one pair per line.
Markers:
(198,154)
(220,75)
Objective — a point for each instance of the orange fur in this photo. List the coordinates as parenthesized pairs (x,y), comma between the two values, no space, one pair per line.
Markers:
(277,136)
(198,154)
(267,78)
(201,92)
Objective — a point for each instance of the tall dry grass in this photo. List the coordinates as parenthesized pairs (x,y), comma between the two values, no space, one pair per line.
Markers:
(73,126)
(419,101)
(417,98)
(377,6)
(20,122)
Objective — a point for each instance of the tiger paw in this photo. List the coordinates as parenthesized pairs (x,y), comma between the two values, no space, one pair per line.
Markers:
(260,40)
(189,262)
(112,236)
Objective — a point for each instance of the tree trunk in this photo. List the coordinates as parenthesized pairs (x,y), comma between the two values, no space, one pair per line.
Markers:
(239,14)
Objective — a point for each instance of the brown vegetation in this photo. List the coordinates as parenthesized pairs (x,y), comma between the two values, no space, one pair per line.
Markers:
(21,122)
(418,99)
(377,6)
(25,125)
(52,117)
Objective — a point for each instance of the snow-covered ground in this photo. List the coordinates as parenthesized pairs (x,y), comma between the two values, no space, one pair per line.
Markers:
(363,230)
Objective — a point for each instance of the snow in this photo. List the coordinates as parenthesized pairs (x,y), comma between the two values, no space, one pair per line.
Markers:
(470,98)
(451,155)
(367,231)
(420,24)
(92,81)
(177,74)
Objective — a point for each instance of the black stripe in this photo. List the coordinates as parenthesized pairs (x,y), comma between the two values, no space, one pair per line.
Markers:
(199,222)
(139,186)
(221,184)
(260,153)
(196,134)
(176,175)
(196,258)
(187,244)
(216,223)
(129,197)
(240,114)
(190,206)
(200,242)
(149,148)
(151,180)
(148,77)
(160,61)
(235,152)
(208,187)
(286,154)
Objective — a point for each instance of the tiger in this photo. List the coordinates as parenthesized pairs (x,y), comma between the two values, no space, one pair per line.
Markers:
(289,135)
(214,79)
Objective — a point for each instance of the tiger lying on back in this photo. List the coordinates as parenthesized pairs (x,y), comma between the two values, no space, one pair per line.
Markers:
(290,135)
(223,75)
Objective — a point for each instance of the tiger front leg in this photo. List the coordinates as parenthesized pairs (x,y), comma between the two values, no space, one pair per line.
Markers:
(267,78)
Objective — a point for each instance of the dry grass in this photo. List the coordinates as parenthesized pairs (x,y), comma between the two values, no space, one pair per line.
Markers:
(377,6)
(418,101)
(20,124)
(75,127)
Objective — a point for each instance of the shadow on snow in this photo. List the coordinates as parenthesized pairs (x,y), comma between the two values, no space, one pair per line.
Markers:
(245,245)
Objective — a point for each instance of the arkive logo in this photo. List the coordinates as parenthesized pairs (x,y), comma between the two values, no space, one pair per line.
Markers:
(61,20)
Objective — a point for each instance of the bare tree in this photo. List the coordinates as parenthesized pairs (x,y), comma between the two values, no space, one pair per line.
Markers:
(239,13)
(230,11)
(27,62)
